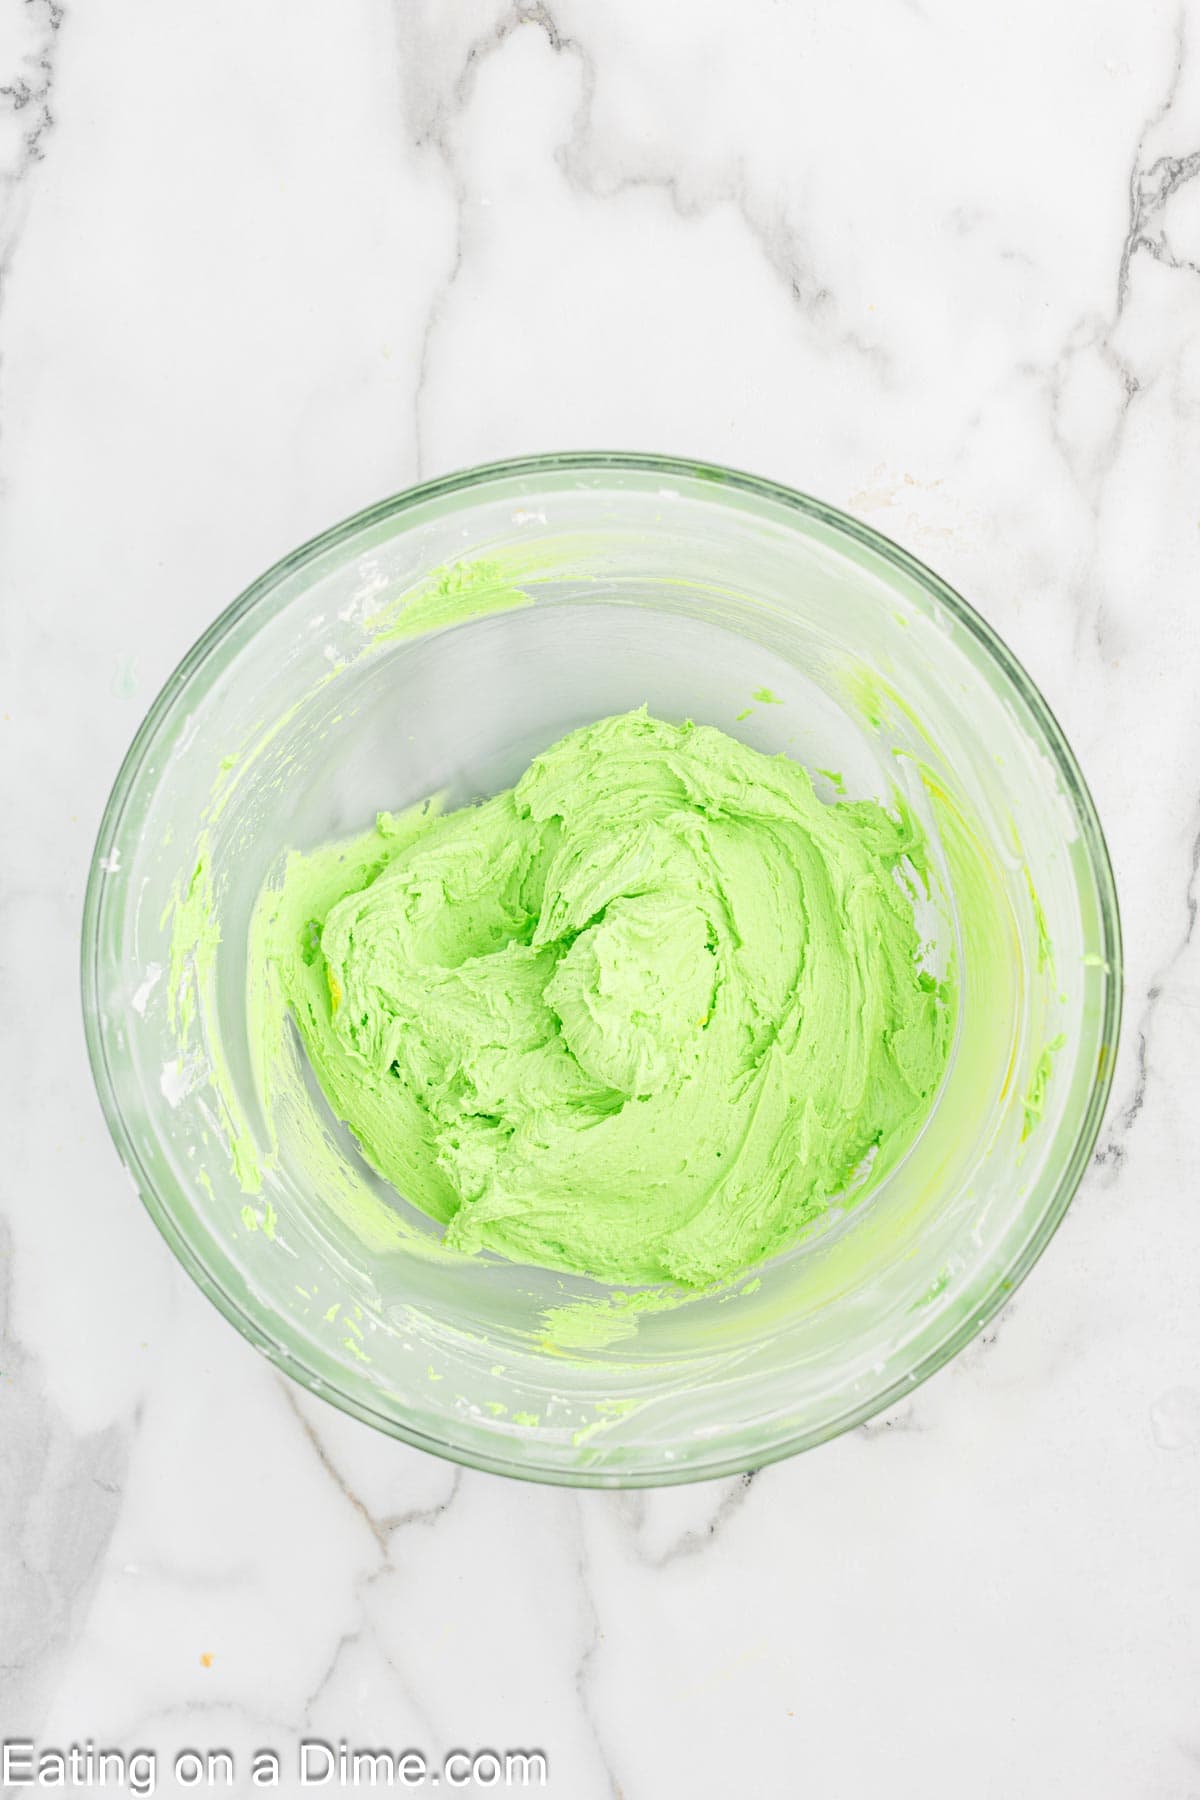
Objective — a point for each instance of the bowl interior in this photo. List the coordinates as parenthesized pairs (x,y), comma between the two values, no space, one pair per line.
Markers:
(433,646)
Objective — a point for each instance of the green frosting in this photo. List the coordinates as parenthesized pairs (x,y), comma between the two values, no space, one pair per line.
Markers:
(642,1017)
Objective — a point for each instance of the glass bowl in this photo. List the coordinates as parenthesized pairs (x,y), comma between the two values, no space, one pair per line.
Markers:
(435,643)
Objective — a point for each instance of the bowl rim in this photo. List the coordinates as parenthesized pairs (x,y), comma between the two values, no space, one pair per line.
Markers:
(1005,1280)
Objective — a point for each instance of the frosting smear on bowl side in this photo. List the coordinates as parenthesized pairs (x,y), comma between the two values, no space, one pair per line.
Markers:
(643,1016)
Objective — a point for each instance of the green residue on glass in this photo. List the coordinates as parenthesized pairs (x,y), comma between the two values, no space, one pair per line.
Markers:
(264,1221)
(608,1413)
(593,1324)
(762,696)
(937,1286)
(451,596)
(1035,1094)
(835,779)
(191,980)
(875,700)
(1045,949)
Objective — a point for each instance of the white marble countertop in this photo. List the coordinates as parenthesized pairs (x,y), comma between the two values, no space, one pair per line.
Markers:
(264,261)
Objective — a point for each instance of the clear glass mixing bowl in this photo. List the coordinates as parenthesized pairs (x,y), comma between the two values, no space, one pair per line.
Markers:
(435,643)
